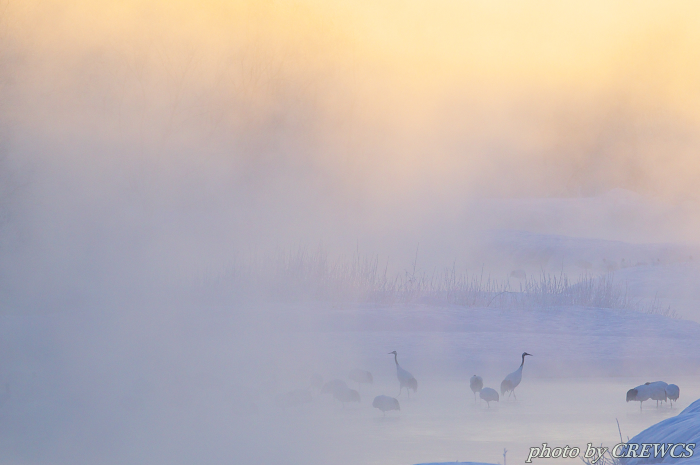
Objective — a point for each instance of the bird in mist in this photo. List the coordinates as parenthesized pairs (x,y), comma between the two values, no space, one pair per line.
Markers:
(513,380)
(386,403)
(406,379)
(639,394)
(294,398)
(316,381)
(346,395)
(673,392)
(489,395)
(476,384)
(360,377)
(334,385)
(657,391)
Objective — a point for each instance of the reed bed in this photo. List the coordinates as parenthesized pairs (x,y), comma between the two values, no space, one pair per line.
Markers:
(305,275)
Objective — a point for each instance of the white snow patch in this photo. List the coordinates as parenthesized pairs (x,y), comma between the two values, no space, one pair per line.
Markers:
(683,428)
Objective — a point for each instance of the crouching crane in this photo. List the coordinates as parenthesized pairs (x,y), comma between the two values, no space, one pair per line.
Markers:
(361,377)
(386,404)
(639,394)
(657,391)
(334,385)
(346,395)
(489,395)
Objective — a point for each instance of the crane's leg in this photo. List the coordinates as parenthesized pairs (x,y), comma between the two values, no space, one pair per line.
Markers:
(516,397)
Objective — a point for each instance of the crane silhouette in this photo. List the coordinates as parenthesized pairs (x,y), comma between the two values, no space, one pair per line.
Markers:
(476,384)
(513,380)
(386,403)
(489,395)
(406,379)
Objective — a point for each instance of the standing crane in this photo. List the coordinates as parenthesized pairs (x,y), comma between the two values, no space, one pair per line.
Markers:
(673,392)
(406,379)
(513,380)
(476,384)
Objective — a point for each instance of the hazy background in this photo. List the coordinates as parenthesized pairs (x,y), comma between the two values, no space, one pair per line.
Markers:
(152,146)
(152,140)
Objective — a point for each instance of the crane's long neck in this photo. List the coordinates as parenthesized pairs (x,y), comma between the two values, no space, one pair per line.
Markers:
(396,359)
(523,362)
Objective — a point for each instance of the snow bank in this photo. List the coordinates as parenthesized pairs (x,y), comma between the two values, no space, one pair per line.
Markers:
(683,428)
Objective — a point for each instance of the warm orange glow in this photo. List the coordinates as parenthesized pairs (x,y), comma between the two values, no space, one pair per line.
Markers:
(389,87)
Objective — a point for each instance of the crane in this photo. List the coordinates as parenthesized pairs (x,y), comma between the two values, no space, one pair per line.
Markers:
(334,385)
(489,395)
(406,379)
(346,395)
(386,403)
(673,392)
(513,380)
(658,391)
(639,394)
(361,377)
(476,384)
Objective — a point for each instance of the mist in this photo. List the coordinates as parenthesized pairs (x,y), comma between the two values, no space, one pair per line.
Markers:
(204,204)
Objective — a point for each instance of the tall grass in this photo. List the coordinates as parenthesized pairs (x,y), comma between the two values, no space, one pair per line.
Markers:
(305,275)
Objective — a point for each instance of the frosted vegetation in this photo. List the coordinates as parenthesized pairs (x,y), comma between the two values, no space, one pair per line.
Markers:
(307,275)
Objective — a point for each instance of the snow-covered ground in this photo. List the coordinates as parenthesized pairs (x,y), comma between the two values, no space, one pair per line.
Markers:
(534,252)
(683,428)
(666,272)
